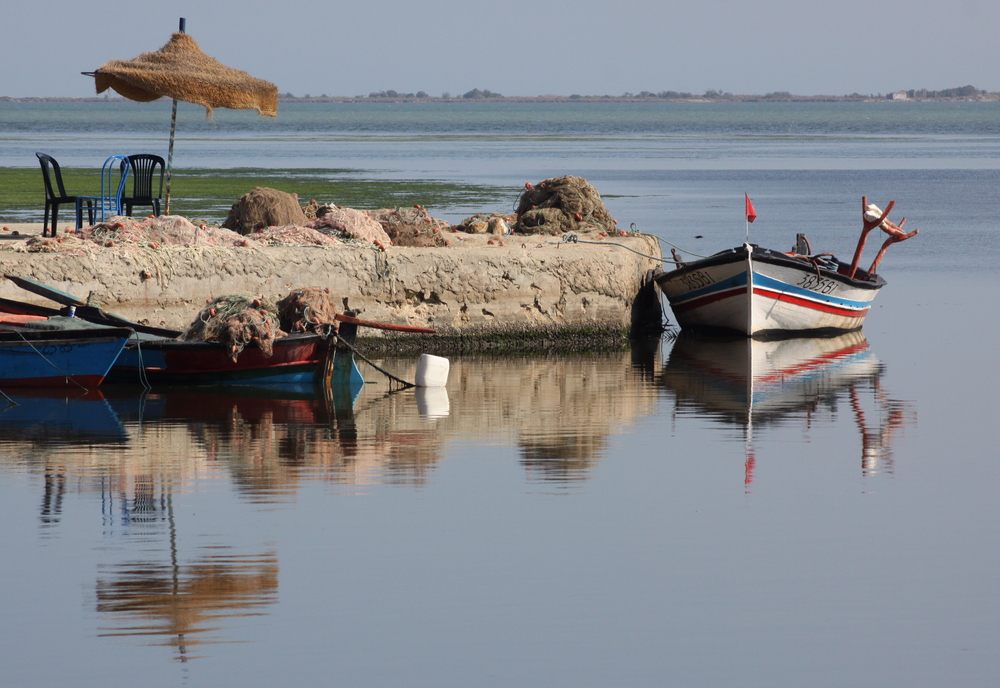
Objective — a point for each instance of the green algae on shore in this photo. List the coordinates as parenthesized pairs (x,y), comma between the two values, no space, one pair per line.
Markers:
(209,193)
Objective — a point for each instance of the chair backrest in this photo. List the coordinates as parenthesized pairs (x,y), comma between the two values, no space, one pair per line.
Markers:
(50,168)
(112,201)
(143,171)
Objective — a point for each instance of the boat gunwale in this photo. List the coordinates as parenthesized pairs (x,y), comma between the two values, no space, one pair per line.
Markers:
(167,344)
(773,257)
(10,335)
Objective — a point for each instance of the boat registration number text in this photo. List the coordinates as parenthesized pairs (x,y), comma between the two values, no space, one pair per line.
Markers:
(696,279)
(815,283)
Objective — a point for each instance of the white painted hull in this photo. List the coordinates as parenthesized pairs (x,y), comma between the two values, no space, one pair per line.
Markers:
(755,291)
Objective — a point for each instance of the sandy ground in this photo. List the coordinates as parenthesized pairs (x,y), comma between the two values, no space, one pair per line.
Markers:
(23,229)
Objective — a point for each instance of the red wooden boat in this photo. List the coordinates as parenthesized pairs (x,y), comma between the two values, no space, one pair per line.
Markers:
(155,356)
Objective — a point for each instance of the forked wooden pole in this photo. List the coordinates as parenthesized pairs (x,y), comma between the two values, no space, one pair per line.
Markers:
(867,227)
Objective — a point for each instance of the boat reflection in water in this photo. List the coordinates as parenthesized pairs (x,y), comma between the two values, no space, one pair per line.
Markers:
(53,418)
(753,383)
(172,579)
(40,428)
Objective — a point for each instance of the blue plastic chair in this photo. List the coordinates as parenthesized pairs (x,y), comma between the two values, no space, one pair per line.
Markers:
(110,200)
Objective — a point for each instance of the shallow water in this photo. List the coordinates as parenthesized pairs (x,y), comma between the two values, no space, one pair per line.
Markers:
(670,515)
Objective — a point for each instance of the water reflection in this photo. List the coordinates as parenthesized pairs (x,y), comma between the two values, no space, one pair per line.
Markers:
(40,427)
(36,420)
(181,604)
(560,410)
(269,440)
(754,384)
(126,454)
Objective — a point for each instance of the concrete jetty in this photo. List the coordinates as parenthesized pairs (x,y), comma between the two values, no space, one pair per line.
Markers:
(531,285)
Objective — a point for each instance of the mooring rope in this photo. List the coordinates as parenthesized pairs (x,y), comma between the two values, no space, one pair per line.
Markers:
(14,403)
(61,371)
(143,379)
(572,238)
(360,355)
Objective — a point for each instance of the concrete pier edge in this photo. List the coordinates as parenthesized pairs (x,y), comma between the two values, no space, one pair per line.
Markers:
(535,295)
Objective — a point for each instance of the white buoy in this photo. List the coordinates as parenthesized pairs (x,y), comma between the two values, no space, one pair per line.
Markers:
(432,371)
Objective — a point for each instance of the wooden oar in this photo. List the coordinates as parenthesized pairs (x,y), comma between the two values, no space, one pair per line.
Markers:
(84,311)
(45,290)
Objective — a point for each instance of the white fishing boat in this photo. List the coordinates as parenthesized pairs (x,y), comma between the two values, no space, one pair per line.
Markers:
(758,291)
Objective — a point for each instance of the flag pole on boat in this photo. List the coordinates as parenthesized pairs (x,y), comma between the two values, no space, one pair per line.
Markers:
(750,213)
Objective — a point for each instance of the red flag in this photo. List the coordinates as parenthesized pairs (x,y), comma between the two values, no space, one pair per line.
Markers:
(751,213)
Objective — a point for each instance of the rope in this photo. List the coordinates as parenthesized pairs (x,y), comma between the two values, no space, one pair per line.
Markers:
(690,253)
(12,402)
(143,380)
(389,375)
(574,239)
(826,261)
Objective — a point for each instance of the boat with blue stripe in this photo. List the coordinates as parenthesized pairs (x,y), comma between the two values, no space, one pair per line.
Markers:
(78,358)
(757,291)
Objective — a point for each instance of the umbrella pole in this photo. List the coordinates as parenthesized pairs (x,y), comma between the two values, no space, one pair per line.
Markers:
(182,25)
(170,155)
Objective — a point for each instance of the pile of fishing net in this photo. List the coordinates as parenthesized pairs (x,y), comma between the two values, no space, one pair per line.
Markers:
(68,244)
(237,321)
(264,207)
(410,226)
(156,232)
(492,224)
(309,309)
(562,204)
(348,224)
(294,235)
(310,209)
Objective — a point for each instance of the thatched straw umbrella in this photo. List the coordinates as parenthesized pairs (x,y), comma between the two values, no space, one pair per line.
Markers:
(180,70)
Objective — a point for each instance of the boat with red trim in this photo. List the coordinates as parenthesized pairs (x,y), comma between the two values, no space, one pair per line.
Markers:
(57,358)
(155,355)
(759,292)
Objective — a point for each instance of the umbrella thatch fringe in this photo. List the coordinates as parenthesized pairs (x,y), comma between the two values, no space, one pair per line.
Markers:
(181,70)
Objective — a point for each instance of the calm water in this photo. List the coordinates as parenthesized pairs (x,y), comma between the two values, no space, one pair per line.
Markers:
(817,512)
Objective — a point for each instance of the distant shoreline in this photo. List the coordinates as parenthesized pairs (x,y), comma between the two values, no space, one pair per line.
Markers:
(987,97)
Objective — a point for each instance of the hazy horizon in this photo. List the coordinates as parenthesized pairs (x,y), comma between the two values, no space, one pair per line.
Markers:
(522,49)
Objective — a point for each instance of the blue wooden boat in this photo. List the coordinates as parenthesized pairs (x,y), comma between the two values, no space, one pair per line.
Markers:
(58,358)
(154,356)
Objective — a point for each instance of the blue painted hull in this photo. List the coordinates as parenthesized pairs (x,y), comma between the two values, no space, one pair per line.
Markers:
(59,359)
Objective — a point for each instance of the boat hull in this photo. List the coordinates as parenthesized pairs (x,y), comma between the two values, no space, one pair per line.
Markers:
(296,359)
(59,359)
(759,292)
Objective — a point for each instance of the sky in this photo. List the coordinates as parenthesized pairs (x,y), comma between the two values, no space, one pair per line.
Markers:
(520,48)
